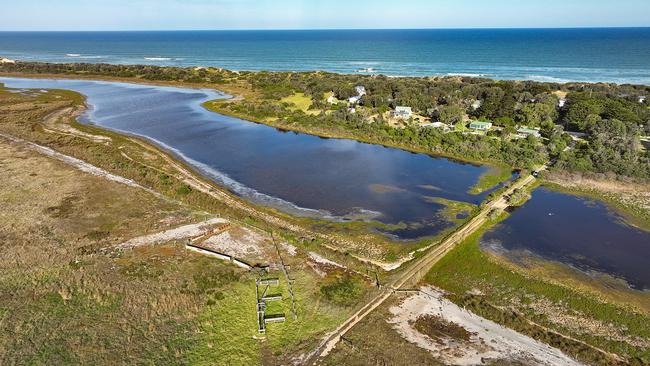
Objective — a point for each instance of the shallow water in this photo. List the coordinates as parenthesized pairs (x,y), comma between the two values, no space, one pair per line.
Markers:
(297,173)
(576,231)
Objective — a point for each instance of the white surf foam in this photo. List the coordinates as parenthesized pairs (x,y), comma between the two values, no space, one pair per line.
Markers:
(158,58)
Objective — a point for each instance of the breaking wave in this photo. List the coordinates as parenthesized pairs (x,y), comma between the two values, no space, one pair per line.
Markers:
(158,58)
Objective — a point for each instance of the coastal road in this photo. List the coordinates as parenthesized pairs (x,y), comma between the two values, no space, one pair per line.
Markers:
(422,265)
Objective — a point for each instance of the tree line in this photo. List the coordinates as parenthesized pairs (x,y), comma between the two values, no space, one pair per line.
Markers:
(612,117)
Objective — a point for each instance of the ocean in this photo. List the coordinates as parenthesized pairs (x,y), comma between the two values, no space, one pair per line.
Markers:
(620,55)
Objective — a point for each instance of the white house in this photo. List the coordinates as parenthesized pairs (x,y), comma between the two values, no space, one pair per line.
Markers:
(440,125)
(525,132)
(6,61)
(642,99)
(361,91)
(354,100)
(332,99)
(476,105)
(561,103)
(403,112)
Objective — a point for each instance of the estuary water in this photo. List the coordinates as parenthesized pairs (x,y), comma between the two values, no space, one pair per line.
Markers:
(601,54)
(578,232)
(297,173)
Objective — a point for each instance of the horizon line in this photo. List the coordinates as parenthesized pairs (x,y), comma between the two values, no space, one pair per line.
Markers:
(319,29)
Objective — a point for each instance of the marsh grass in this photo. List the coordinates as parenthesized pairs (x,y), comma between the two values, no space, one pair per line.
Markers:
(495,175)
(66,299)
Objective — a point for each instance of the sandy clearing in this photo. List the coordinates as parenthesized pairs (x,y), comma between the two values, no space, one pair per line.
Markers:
(322,260)
(490,341)
(186,231)
(289,248)
(238,242)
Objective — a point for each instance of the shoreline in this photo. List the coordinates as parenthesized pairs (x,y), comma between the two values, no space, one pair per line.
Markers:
(230,98)
(304,220)
(343,248)
(334,136)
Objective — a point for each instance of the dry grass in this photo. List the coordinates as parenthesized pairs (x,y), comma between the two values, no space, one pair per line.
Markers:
(66,299)
(374,342)
(64,302)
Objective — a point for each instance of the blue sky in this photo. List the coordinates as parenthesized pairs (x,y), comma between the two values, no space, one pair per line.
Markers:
(317,14)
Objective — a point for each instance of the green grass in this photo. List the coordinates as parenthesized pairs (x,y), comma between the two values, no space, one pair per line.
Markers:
(316,316)
(467,268)
(461,127)
(492,177)
(227,329)
(344,290)
(299,101)
(228,325)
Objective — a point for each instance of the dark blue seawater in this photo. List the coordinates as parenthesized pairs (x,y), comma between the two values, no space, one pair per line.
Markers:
(604,54)
(297,173)
(577,231)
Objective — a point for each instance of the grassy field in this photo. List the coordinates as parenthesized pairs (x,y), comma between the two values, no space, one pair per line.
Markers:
(64,301)
(301,102)
(66,297)
(468,271)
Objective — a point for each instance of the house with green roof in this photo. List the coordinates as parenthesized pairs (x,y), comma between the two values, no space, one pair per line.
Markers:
(403,112)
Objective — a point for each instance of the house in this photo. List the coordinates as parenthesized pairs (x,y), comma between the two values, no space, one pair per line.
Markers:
(642,99)
(476,105)
(440,125)
(361,91)
(403,112)
(561,102)
(524,132)
(480,126)
(332,99)
(354,100)
(6,61)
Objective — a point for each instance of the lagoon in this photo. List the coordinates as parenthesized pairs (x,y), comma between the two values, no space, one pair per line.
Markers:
(300,174)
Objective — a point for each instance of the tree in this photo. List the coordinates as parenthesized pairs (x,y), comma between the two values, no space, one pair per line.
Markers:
(579,111)
(450,114)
